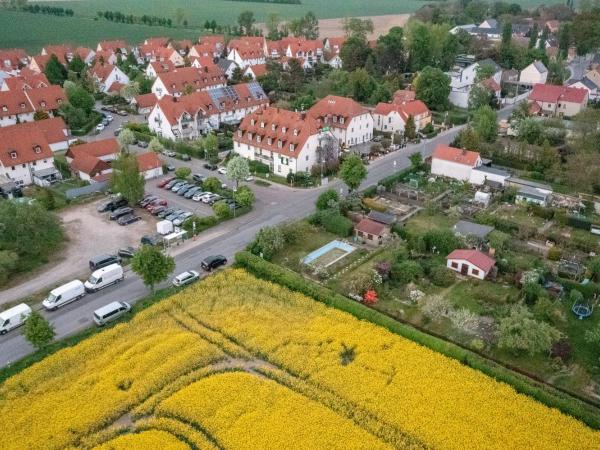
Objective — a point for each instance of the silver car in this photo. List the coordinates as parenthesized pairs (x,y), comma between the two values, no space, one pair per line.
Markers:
(111,312)
(182,218)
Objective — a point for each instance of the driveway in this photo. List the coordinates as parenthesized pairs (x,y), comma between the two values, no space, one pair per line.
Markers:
(89,233)
(109,130)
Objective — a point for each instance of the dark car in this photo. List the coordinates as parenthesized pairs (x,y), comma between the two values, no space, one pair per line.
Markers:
(164,182)
(121,112)
(147,200)
(100,261)
(120,212)
(190,192)
(170,168)
(185,157)
(143,144)
(156,209)
(156,202)
(127,219)
(111,205)
(126,252)
(212,262)
(118,131)
(198,178)
(210,166)
(166,212)
(172,183)
(184,189)
(152,239)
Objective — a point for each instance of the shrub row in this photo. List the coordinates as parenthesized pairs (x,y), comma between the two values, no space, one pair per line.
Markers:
(333,222)
(544,394)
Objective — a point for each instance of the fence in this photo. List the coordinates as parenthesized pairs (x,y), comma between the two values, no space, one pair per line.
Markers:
(86,190)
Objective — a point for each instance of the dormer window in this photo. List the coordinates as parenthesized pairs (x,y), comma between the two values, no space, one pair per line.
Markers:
(269,141)
(240,132)
(295,132)
(22,105)
(4,108)
(341,120)
(59,101)
(262,124)
(292,147)
(252,121)
(43,104)
(250,136)
(37,149)
(13,154)
(279,143)
(273,127)
(284,129)
(258,139)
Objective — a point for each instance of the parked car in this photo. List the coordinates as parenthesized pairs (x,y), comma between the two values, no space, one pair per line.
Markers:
(184,189)
(122,112)
(178,186)
(182,218)
(185,157)
(222,170)
(126,252)
(118,131)
(156,209)
(147,200)
(156,202)
(166,212)
(99,127)
(198,196)
(163,183)
(190,192)
(128,219)
(174,215)
(212,262)
(186,278)
(211,198)
(143,144)
(63,295)
(109,118)
(170,168)
(152,239)
(210,166)
(104,277)
(14,317)
(169,153)
(198,178)
(111,312)
(105,122)
(112,204)
(172,183)
(97,262)
(120,212)
(249,178)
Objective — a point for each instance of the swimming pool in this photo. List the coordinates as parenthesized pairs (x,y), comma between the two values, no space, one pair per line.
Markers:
(328,254)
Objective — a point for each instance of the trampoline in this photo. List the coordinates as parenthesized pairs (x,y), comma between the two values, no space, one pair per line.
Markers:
(582,311)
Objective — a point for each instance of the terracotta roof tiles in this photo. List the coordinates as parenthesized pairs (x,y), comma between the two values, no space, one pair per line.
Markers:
(456,155)
(475,257)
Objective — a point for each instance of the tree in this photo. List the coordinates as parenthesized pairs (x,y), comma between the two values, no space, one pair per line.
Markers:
(77,65)
(432,86)
(479,96)
(210,143)
(55,71)
(530,130)
(246,21)
(356,27)
(354,53)
(353,172)
(485,123)
(533,37)
(416,160)
(421,47)
(38,331)
(272,24)
(155,145)
(520,332)
(410,128)
(152,265)
(212,184)
(222,210)
(127,179)
(183,172)
(244,197)
(543,39)
(238,169)
(126,138)
(594,268)
(269,240)
(390,53)
(362,85)
(306,26)
(81,99)
(130,90)
(406,272)
(8,263)
(328,199)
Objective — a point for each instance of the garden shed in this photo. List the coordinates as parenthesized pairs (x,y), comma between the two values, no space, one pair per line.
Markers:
(371,232)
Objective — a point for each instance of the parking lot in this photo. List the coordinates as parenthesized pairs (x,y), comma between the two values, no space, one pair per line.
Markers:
(177,201)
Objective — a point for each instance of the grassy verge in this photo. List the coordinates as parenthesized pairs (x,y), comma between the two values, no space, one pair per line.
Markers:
(546,394)
(38,355)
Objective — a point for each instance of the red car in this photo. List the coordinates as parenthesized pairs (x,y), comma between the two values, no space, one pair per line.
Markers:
(157,202)
(155,209)
(162,183)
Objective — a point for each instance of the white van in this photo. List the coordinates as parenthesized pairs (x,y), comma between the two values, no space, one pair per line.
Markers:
(104,277)
(64,295)
(14,317)
(110,312)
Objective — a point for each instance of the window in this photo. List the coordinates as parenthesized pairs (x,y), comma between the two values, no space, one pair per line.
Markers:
(273,127)
(269,141)
(370,237)
(454,265)
(262,124)
(307,157)
(280,143)
(341,120)
(13,155)
(258,139)
(240,132)
(37,149)
(251,121)
(284,130)
(4,108)
(475,272)
(295,132)
(291,147)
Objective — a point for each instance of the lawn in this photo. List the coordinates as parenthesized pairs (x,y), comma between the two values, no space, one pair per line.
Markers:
(422,222)
(254,365)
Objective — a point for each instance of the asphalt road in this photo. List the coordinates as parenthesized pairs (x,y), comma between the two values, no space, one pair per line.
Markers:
(275,204)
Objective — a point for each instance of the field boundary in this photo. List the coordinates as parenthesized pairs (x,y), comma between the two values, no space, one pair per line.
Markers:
(547,394)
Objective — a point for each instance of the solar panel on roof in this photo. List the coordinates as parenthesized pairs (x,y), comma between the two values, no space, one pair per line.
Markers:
(256,90)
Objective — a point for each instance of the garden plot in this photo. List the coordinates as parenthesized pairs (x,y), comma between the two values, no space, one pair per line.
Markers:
(329,254)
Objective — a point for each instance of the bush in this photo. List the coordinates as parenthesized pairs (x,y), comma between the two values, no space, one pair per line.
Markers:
(333,222)
(441,276)
(554,253)
(183,172)
(202,223)
(442,241)
(544,394)
(406,271)
(258,167)
(222,210)
(328,199)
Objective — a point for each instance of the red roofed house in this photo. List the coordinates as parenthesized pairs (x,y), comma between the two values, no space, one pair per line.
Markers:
(13,59)
(156,67)
(350,122)
(255,71)
(92,158)
(47,99)
(150,165)
(454,162)
(176,82)
(307,52)
(392,117)
(150,53)
(27,79)
(54,130)
(284,140)
(25,156)
(472,263)
(371,232)
(247,51)
(145,103)
(404,96)
(15,107)
(109,78)
(114,46)
(555,100)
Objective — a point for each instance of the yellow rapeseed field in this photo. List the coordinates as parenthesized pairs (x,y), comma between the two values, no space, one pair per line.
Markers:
(238,363)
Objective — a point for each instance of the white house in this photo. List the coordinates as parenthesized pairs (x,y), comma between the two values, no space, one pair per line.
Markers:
(534,73)
(114,46)
(255,72)
(189,116)
(454,162)
(247,51)
(108,78)
(349,122)
(481,175)
(24,152)
(156,67)
(462,80)
(392,117)
(150,165)
(471,263)
(530,194)
(176,83)
(489,28)
(15,107)
(92,160)
(286,141)
(588,85)
(55,132)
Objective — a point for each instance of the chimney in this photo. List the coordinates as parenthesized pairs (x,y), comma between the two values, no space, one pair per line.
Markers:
(303,115)
(464,151)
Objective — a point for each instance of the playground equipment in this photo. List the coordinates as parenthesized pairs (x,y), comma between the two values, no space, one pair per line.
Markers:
(583,310)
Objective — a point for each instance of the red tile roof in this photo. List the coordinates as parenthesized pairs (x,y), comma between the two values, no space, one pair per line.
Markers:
(475,257)
(12,58)
(203,61)
(146,100)
(550,93)
(55,129)
(414,108)
(277,129)
(456,155)
(83,52)
(333,106)
(21,145)
(404,95)
(102,71)
(335,43)
(369,226)
(148,161)
(176,80)
(27,79)
(46,98)
(258,69)
(89,164)
(13,103)
(157,41)
(212,39)
(113,45)
(248,47)
(116,87)
(97,149)
(61,51)
(491,85)
(162,66)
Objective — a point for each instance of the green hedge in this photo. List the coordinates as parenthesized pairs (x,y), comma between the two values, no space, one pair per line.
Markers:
(545,394)
(333,222)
